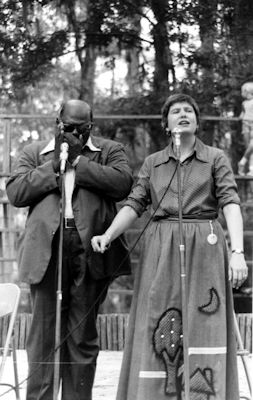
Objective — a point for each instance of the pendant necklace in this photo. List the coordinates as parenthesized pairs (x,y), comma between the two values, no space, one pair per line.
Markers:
(212,238)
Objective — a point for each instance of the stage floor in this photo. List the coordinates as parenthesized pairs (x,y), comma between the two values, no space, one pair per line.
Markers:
(107,375)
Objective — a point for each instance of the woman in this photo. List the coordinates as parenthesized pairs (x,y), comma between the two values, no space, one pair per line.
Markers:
(152,366)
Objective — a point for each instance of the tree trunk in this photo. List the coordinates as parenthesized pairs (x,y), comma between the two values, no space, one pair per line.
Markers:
(133,73)
(133,78)
(85,43)
(207,30)
(88,69)
(163,56)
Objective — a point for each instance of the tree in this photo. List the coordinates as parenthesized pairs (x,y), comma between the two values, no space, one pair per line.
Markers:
(163,57)
(35,36)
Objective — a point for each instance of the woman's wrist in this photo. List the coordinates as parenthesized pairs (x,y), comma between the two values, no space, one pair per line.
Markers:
(237,250)
(108,236)
(238,254)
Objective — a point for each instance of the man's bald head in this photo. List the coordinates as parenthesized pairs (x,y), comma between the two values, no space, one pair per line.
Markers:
(76,112)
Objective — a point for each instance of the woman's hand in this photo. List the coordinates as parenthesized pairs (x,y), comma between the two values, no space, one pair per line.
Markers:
(238,270)
(101,243)
(123,220)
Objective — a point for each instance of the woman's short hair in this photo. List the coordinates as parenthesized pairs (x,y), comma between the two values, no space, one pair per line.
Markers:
(178,98)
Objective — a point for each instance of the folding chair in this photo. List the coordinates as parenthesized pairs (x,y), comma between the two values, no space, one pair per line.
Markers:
(242,353)
(9,301)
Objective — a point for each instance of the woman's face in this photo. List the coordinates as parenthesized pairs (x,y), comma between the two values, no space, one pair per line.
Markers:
(182,116)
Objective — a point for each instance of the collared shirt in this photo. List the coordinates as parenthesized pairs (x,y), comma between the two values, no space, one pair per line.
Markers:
(51,145)
(207,182)
(69,176)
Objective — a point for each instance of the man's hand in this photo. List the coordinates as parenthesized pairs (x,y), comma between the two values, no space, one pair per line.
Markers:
(75,146)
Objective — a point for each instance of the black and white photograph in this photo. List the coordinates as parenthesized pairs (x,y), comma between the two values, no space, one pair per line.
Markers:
(126,199)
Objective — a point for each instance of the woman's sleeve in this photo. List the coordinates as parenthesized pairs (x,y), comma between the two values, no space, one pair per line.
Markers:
(139,198)
(226,187)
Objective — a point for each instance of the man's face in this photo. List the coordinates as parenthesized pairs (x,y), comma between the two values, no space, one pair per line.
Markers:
(81,131)
(76,120)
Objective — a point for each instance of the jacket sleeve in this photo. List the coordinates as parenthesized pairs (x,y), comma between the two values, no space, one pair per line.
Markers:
(30,181)
(112,178)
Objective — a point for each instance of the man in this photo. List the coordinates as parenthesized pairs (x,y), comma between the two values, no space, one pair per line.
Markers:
(97,175)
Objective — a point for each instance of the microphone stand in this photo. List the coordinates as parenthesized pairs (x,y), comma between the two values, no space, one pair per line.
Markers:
(182,272)
(59,292)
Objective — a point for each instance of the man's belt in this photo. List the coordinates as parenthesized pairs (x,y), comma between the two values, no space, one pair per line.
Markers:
(69,223)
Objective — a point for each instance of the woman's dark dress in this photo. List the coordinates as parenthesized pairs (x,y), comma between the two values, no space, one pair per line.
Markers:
(152,367)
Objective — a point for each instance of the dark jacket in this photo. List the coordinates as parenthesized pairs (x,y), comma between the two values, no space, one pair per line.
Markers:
(102,178)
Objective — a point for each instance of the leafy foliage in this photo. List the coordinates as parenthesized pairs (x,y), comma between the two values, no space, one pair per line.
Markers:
(36,34)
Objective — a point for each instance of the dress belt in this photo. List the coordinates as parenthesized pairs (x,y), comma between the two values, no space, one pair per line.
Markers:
(69,223)
(187,217)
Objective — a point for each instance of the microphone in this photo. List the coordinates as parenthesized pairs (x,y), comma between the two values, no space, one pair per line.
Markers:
(177,135)
(63,156)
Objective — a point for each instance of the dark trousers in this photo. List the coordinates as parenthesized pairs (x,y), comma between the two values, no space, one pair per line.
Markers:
(81,297)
